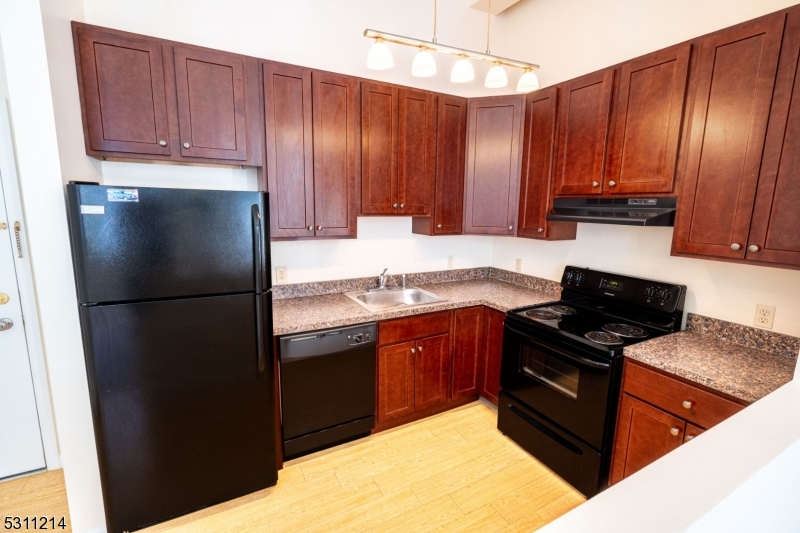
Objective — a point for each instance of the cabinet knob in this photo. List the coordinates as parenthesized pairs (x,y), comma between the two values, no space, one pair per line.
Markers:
(595,184)
(162,142)
(612,183)
(753,248)
(540,230)
(687,404)
(439,226)
(394,205)
(511,227)
(735,246)
(187,145)
(319,228)
(311,228)
(413,350)
(688,438)
(419,348)
(402,206)
(674,432)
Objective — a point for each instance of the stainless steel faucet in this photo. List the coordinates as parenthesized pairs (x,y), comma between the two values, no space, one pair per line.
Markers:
(382,279)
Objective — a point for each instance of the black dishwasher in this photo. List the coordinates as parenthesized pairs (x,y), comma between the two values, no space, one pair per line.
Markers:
(327,382)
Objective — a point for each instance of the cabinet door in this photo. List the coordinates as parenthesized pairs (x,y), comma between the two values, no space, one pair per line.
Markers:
(735,75)
(416,157)
(396,381)
(334,104)
(774,231)
(451,140)
(494,129)
(211,110)
(644,434)
(584,109)
(536,189)
(432,372)
(122,89)
(649,113)
(493,351)
(290,149)
(379,131)
(468,350)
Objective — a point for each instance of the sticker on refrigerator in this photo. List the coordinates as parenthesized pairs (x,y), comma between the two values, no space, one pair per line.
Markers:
(93,210)
(123,195)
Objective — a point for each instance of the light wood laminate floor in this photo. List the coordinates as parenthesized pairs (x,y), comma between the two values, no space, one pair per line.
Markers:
(452,472)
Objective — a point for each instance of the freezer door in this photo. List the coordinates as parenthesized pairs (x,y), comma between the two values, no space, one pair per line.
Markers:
(183,417)
(133,244)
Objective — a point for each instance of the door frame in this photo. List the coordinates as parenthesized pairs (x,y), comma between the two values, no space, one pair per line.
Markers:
(9,182)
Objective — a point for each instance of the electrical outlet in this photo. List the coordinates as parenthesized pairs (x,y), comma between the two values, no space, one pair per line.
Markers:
(281,275)
(765,316)
(451,262)
(518,266)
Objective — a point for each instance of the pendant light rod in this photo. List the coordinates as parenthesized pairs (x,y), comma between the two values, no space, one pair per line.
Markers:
(435,12)
(409,41)
(488,26)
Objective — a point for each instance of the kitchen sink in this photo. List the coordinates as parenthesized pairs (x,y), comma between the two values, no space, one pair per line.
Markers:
(393,297)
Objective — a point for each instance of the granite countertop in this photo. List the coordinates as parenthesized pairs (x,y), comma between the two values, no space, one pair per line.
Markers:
(743,362)
(293,315)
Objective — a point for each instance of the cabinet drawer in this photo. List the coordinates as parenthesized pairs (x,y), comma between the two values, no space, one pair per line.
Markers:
(681,399)
(415,327)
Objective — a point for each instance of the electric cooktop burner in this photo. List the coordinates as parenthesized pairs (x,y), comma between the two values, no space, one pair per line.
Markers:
(543,314)
(562,309)
(625,330)
(605,338)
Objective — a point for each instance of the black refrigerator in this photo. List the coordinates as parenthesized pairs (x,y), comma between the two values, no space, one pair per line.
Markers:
(176,314)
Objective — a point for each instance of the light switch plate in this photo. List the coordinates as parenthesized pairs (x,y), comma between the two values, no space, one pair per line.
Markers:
(451,263)
(518,265)
(281,275)
(765,316)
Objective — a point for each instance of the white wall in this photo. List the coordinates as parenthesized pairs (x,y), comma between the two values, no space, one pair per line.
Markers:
(3,82)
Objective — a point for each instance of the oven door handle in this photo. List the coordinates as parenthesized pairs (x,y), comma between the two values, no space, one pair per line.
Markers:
(583,360)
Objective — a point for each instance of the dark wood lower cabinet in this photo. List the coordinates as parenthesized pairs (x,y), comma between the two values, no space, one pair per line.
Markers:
(396,381)
(644,434)
(432,372)
(468,348)
(493,351)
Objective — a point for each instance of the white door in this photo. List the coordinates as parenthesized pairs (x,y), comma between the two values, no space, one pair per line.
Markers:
(20,436)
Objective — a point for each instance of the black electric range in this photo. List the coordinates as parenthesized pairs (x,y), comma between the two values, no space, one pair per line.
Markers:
(562,367)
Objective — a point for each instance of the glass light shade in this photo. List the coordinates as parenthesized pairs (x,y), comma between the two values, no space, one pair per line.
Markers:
(379,56)
(496,77)
(527,82)
(462,71)
(424,65)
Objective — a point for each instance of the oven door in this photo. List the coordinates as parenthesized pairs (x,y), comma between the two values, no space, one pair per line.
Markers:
(565,383)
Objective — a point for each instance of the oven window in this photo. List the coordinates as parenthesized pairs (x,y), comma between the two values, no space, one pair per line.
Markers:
(560,376)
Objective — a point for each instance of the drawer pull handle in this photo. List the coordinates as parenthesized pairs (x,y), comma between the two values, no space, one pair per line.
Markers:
(674,432)
(687,404)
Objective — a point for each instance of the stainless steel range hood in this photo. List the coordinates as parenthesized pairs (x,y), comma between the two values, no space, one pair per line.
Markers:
(621,211)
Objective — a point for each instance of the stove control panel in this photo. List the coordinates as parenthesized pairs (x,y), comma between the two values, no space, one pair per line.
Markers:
(663,296)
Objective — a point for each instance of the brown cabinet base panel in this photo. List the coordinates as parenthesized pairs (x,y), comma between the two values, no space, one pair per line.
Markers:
(425,413)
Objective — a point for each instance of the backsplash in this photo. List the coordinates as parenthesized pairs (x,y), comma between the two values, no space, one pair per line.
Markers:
(297,290)
(760,339)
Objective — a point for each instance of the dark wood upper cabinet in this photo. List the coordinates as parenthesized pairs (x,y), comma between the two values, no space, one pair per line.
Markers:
(289,149)
(538,165)
(211,110)
(648,114)
(775,229)
(468,348)
(122,91)
(448,198)
(379,132)
(734,77)
(416,151)
(584,113)
(432,372)
(494,134)
(335,113)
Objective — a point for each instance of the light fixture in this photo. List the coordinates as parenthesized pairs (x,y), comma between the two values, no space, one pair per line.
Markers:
(496,77)
(527,82)
(424,65)
(379,57)
(462,70)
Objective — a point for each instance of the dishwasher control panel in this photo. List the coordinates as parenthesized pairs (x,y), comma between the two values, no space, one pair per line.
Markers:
(358,338)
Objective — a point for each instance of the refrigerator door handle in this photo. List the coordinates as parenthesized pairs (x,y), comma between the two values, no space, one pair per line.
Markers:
(256,217)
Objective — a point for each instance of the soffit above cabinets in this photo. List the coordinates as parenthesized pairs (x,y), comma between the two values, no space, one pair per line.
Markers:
(498,6)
